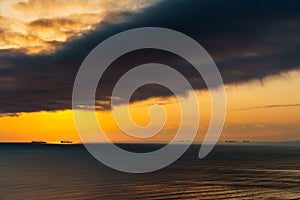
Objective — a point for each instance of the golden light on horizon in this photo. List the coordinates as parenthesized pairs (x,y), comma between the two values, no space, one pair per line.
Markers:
(244,121)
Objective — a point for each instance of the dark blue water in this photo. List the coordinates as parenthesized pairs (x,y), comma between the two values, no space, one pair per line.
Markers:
(249,171)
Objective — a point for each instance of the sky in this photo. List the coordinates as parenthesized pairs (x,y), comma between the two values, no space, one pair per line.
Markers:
(255,45)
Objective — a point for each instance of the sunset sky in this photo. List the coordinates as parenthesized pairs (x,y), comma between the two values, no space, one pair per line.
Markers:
(255,45)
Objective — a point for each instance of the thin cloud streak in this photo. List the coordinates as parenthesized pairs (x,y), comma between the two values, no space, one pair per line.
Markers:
(270,106)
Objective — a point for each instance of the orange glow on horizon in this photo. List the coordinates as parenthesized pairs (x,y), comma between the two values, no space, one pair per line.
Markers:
(243,122)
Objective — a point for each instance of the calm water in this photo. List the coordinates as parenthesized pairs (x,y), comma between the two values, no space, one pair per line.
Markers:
(230,171)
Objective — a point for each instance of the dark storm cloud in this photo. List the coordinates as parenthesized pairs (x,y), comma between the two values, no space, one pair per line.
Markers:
(247,39)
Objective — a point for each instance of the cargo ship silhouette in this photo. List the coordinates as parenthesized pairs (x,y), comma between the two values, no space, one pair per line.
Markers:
(66,142)
(38,142)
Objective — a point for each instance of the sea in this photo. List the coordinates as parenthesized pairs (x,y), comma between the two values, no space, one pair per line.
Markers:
(230,171)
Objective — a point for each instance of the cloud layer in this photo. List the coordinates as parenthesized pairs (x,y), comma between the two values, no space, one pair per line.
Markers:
(41,26)
(247,39)
(272,106)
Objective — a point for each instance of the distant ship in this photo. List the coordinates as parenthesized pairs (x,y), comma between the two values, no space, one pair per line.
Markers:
(231,141)
(66,142)
(38,142)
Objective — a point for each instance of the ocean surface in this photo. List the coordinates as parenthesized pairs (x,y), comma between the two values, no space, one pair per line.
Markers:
(231,171)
